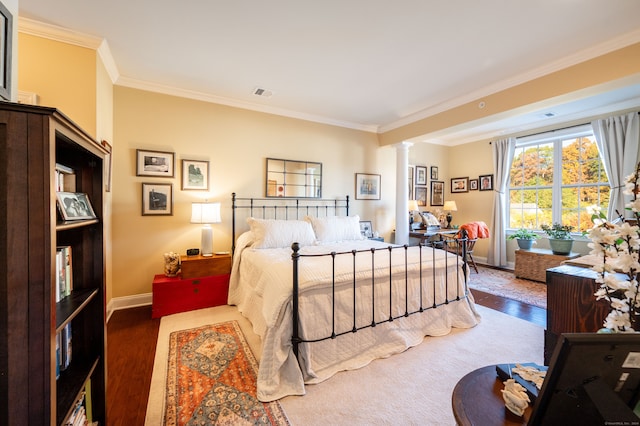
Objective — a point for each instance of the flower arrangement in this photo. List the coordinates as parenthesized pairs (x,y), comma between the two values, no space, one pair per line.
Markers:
(558,231)
(618,245)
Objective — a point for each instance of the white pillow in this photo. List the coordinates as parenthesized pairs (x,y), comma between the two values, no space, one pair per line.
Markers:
(275,233)
(336,228)
(429,219)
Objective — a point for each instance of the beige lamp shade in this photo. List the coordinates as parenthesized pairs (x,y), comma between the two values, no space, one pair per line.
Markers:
(413,205)
(450,206)
(206,214)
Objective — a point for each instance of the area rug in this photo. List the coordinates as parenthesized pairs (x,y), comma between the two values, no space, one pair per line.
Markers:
(211,379)
(505,284)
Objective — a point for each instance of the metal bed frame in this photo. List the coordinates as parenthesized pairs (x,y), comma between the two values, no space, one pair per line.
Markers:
(289,209)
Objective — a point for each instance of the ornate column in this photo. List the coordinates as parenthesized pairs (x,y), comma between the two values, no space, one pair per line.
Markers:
(402,192)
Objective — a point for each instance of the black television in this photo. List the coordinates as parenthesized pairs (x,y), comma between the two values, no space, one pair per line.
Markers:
(593,379)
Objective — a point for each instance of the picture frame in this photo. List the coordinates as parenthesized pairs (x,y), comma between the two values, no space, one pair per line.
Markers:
(74,206)
(195,175)
(434,172)
(421,195)
(473,184)
(366,229)
(6,42)
(155,163)
(437,193)
(411,179)
(459,184)
(157,199)
(367,186)
(421,175)
(107,165)
(486,182)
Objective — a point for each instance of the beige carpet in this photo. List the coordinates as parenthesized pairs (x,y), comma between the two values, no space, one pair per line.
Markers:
(412,388)
(505,284)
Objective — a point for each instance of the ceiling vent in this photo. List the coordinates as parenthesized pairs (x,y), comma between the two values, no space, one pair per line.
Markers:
(261,91)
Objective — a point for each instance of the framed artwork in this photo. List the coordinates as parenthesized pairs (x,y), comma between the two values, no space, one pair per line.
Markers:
(421,175)
(367,186)
(473,184)
(411,179)
(366,229)
(157,199)
(107,166)
(460,184)
(195,175)
(6,39)
(421,195)
(437,193)
(74,206)
(154,163)
(434,172)
(486,182)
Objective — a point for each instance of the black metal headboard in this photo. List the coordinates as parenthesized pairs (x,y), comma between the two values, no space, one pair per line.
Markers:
(286,208)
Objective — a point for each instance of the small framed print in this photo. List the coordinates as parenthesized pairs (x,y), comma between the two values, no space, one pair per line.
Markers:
(195,175)
(434,172)
(6,42)
(473,184)
(366,229)
(154,163)
(437,193)
(74,206)
(460,184)
(421,195)
(367,186)
(486,182)
(157,199)
(421,175)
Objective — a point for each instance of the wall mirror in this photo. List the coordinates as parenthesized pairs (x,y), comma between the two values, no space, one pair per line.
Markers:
(291,178)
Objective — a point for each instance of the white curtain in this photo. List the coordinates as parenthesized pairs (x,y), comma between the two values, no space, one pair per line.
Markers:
(617,139)
(503,151)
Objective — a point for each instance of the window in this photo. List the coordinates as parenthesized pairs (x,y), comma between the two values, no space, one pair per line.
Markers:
(554,177)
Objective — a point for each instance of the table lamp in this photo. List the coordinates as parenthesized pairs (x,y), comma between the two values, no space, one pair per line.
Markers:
(449,206)
(206,214)
(413,206)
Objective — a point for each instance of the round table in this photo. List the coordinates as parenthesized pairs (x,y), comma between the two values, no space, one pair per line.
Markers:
(477,400)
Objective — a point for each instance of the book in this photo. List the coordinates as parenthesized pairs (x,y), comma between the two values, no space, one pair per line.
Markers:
(65,347)
(66,274)
(65,178)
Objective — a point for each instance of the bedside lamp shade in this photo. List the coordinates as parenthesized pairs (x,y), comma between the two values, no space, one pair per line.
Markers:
(449,206)
(413,205)
(206,214)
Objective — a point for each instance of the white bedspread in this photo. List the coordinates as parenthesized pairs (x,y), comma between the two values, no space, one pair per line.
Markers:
(261,287)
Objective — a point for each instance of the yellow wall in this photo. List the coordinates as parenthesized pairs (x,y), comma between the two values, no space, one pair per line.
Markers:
(236,142)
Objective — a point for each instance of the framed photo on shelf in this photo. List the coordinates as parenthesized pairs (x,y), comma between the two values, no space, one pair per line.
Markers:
(74,206)
(421,195)
(434,172)
(437,193)
(367,186)
(421,175)
(154,163)
(473,184)
(460,184)
(195,175)
(486,182)
(157,199)
(366,229)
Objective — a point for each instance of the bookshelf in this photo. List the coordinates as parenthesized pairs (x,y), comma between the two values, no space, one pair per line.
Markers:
(37,144)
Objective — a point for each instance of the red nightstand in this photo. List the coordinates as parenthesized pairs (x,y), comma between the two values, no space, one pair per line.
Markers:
(180,294)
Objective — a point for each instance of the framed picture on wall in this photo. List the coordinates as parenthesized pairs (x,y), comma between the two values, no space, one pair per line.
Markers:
(421,195)
(437,193)
(367,186)
(473,184)
(460,184)
(434,172)
(157,199)
(195,175)
(486,182)
(421,175)
(6,40)
(154,163)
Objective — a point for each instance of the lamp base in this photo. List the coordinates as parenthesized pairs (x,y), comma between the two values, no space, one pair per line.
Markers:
(449,219)
(206,243)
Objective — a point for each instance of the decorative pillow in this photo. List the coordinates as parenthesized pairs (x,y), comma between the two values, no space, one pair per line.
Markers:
(336,228)
(429,219)
(275,233)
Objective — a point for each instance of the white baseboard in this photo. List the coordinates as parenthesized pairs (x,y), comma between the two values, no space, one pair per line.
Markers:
(126,302)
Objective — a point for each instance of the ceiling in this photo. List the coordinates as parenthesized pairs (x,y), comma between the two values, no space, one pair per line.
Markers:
(365,64)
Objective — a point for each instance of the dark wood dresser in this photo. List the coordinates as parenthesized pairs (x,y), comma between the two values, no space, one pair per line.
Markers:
(571,304)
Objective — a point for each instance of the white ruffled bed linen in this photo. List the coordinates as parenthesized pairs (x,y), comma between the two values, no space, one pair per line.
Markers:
(261,287)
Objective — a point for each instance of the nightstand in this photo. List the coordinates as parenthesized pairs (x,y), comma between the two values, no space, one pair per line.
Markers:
(203,283)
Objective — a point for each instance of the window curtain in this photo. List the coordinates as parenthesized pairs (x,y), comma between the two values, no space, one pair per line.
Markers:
(617,139)
(503,152)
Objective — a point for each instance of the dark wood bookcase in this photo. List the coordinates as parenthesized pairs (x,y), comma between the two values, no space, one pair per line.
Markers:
(32,140)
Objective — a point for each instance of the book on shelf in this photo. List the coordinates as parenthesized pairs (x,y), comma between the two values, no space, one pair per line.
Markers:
(78,415)
(64,272)
(65,347)
(65,178)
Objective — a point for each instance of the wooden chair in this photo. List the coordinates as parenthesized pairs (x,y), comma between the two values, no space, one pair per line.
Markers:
(474,232)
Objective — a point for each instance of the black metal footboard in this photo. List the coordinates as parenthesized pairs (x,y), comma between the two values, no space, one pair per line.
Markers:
(427,263)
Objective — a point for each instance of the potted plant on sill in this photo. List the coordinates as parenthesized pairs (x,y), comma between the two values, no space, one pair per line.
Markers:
(560,239)
(524,237)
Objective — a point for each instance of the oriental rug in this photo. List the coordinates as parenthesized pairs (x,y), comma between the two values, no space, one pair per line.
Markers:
(211,380)
(504,283)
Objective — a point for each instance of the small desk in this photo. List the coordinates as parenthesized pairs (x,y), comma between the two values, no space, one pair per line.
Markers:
(426,234)
(477,400)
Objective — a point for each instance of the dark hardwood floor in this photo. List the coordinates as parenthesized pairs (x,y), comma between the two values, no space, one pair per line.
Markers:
(131,343)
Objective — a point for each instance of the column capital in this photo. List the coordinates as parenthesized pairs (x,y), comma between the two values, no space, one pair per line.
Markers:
(403,145)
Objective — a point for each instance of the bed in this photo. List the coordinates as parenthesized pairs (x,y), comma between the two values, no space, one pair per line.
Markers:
(325,299)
